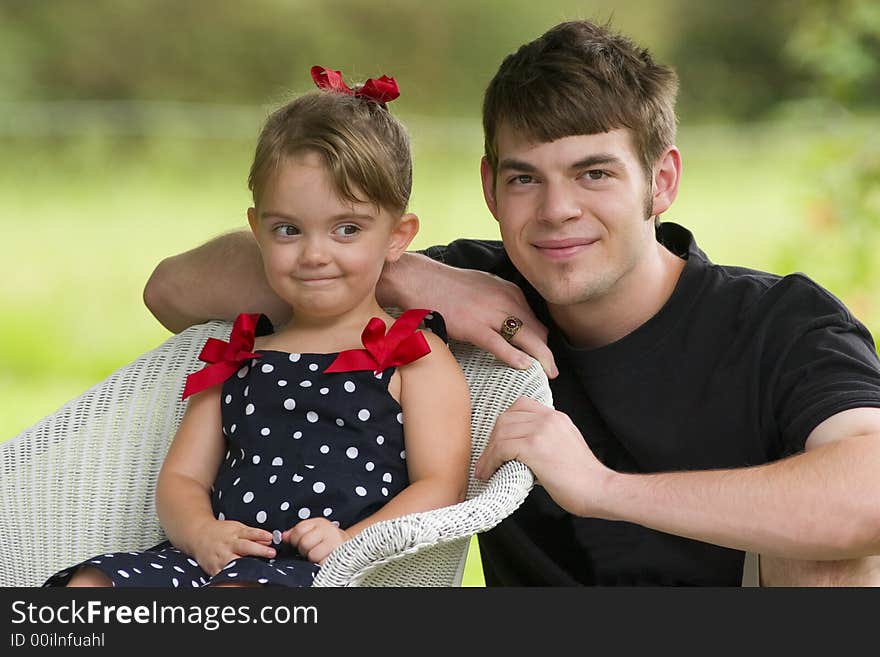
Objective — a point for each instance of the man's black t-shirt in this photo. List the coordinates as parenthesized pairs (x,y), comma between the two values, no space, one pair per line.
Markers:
(735,370)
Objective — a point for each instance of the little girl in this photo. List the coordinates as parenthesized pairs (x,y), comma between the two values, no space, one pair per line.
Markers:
(294,441)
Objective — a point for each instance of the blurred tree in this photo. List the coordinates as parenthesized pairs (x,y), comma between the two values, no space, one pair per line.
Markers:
(837,42)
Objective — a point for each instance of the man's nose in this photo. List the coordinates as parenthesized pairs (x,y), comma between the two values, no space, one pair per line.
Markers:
(558,203)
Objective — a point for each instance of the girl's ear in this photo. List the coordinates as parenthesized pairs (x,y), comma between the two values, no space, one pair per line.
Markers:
(401,236)
(252,220)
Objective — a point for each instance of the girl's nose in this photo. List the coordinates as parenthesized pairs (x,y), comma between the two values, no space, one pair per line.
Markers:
(315,252)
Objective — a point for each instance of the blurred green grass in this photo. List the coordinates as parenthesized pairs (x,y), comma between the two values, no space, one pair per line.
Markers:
(86,219)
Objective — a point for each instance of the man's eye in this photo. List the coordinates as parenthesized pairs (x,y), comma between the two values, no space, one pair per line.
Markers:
(523,179)
(347,230)
(595,174)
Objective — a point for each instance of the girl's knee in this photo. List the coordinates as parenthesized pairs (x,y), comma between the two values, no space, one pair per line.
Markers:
(88,576)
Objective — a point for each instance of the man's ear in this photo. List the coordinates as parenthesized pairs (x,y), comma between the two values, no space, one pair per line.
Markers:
(488,178)
(667,175)
(401,236)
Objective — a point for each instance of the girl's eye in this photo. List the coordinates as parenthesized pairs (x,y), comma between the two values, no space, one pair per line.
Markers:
(347,230)
(286,230)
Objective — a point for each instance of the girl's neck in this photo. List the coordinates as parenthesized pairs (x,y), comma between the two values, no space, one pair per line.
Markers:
(328,333)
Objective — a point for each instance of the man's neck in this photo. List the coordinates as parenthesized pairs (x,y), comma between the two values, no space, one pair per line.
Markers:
(633,300)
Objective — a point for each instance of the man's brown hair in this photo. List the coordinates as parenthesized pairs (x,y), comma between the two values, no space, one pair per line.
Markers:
(365,149)
(579,78)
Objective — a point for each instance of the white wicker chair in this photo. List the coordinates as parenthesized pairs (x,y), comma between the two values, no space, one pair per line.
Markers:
(81,481)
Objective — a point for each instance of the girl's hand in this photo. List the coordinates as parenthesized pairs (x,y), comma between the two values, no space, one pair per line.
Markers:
(315,538)
(221,541)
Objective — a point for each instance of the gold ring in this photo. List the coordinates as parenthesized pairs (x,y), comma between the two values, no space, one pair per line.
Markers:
(510,326)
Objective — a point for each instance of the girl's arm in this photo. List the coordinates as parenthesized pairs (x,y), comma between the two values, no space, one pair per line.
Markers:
(435,399)
(183,491)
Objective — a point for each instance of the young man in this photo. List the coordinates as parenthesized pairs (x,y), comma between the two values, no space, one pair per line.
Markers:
(700,411)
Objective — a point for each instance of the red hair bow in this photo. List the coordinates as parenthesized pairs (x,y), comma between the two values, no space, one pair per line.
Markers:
(402,345)
(224,357)
(382,90)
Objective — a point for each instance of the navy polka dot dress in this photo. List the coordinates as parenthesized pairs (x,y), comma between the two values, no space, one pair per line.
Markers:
(302,443)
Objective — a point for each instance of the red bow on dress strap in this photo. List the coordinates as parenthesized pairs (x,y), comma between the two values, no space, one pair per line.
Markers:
(224,357)
(383,90)
(402,345)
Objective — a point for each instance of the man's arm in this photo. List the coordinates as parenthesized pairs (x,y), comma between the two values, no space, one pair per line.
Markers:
(217,280)
(821,504)
(224,277)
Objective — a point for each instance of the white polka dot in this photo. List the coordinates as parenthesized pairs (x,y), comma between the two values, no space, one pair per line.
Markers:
(276,536)
(305,384)
(403,454)
(340,422)
(265,431)
(310,467)
(247,497)
(154,565)
(194,583)
(296,478)
(327,511)
(282,383)
(246,390)
(174,581)
(380,440)
(237,479)
(285,506)
(361,491)
(261,517)
(232,428)
(297,435)
(325,449)
(369,466)
(232,574)
(351,452)
(312,417)
(273,479)
(262,580)
(363,415)
(289,404)
(179,569)
(228,398)
(294,357)
(349,386)
(256,459)
(386,477)
(304,513)
(221,516)
(267,368)
(313,367)
(318,487)
(249,409)
(277,461)
(324,391)
(384,491)
(400,418)
(234,461)
(123,573)
(243,372)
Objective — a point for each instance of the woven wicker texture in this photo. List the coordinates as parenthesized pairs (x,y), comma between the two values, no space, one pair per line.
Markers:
(82,480)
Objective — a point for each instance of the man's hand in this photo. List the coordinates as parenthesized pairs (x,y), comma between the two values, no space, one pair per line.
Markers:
(221,541)
(474,305)
(547,442)
(315,538)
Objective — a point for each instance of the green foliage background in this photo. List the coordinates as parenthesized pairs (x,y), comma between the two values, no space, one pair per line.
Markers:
(127,128)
